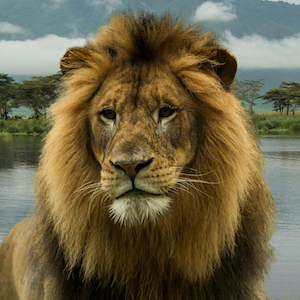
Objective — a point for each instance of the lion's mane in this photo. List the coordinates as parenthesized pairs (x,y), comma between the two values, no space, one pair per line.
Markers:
(213,242)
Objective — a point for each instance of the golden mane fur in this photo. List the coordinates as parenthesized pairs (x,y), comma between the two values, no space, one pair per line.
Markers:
(213,241)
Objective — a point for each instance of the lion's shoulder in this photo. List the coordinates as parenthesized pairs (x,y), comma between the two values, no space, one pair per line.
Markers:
(13,260)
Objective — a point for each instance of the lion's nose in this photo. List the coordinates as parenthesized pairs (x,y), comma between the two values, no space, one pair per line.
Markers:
(131,170)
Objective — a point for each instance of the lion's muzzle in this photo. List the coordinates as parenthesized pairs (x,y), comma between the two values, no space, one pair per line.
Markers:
(138,197)
(132,169)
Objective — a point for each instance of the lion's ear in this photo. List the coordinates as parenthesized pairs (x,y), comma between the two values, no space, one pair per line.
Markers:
(75,58)
(227,69)
(223,64)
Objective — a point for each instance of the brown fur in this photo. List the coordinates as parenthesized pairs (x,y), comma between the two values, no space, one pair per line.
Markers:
(211,241)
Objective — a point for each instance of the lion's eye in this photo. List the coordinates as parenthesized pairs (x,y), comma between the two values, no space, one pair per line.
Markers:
(166,112)
(108,114)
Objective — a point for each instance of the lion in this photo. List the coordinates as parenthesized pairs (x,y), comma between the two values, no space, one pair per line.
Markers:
(150,181)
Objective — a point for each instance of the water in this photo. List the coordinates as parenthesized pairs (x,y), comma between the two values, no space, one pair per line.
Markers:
(18,165)
(282,155)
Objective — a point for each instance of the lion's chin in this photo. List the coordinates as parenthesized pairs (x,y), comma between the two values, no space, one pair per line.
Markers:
(138,207)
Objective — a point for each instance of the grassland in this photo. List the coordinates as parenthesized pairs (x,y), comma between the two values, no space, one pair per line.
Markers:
(276,122)
(24,127)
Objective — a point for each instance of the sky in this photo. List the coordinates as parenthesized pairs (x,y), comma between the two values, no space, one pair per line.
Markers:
(289,1)
(38,57)
(41,56)
(254,51)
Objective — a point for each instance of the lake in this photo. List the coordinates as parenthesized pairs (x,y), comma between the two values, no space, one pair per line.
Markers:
(18,166)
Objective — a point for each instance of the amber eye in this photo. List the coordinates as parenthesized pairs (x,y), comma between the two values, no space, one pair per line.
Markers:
(108,114)
(166,112)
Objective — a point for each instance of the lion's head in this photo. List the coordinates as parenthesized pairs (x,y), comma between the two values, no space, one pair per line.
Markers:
(151,164)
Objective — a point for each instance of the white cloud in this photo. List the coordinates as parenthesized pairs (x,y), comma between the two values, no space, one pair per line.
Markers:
(107,2)
(9,28)
(35,57)
(53,4)
(214,11)
(57,3)
(41,56)
(289,1)
(108,5)
(257,52)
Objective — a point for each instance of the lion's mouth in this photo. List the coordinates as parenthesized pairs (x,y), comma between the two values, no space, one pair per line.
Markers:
(137,194)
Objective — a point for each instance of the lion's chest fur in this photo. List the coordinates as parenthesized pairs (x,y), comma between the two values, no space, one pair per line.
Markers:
(164,280)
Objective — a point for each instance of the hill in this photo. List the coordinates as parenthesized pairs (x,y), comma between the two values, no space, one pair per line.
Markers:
(273,21)
(72,18)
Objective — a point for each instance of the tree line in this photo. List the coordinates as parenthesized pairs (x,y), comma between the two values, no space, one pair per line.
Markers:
(37,94)
(40,92)
(285,98)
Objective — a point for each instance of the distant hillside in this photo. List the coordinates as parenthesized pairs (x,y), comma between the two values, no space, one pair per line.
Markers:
(73,18)
(31,19)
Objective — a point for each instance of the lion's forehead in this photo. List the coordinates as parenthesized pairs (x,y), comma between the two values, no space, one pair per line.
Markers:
(147,89)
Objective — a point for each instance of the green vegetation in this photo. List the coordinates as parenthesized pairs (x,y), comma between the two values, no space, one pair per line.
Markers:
(36,94)
(247,91)
(286,97)
(24,127)
(276,122)
(283,299)
(7,94)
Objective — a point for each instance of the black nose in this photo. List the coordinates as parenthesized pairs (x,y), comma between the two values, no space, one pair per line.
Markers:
(132,169)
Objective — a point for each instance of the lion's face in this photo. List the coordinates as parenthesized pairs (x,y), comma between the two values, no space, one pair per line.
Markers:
(142,136)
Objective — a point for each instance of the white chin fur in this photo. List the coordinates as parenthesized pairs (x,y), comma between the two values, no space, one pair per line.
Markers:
(134,209)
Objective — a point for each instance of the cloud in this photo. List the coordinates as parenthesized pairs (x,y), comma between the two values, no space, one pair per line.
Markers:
(108,5)
(41,57)
(258,52)
(9,28)
(297,2)
(214,11)
(53,4)
(35,57)
(107,2)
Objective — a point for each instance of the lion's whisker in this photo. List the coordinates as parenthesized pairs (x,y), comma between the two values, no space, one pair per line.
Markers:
(184,188)
(92,199)
(175,190)
(107,197)
(182,179)
(198,190)
(83,187)
(195,172)
(86,189)
(191,175)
